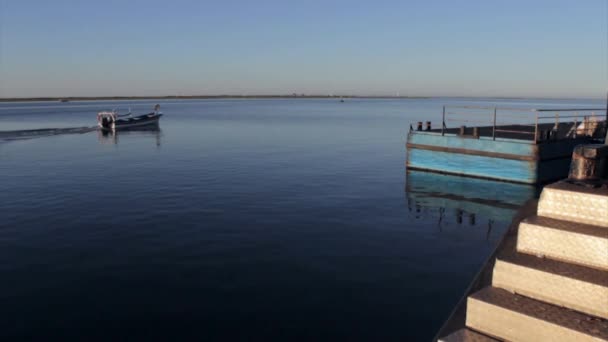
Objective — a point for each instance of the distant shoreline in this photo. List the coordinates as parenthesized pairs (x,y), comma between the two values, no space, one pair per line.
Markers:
(236,97)
(199,97)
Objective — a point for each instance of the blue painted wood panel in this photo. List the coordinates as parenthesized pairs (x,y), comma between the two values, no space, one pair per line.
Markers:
(476,166)
(514,160)
(515,147)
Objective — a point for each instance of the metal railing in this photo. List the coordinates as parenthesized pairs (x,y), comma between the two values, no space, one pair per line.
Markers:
(524,123)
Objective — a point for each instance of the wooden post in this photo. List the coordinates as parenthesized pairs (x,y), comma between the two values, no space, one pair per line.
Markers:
(443,122)
(494,126)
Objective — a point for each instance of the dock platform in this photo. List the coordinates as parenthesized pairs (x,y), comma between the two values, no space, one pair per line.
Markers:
(531,146)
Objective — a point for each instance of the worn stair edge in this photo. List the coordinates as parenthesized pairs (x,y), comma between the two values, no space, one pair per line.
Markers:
(576,203)
(576,287)
(466,335)
(577,243)
(505,315)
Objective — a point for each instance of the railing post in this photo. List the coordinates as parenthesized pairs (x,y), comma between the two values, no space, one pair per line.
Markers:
(585,125)
(443,122)
(494,126)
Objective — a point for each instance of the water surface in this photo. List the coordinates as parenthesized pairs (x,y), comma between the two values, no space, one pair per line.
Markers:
(237,220)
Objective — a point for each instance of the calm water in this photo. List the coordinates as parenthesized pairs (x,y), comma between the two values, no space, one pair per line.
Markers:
(238,220)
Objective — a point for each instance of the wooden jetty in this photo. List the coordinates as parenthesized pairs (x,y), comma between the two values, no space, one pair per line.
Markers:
(548,279)
(532,146)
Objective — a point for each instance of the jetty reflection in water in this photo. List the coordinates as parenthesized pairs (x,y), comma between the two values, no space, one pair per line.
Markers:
(113,137)
(464,201)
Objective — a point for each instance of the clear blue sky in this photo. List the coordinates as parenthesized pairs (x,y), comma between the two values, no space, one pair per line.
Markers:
(456,48)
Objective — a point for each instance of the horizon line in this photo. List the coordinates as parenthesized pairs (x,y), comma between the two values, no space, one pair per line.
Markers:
(287,96)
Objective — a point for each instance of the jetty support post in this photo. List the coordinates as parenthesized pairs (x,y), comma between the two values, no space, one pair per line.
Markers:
(536,130)
(443,122)
(494,126)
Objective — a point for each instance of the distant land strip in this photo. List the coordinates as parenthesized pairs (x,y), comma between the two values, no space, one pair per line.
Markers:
(178,97)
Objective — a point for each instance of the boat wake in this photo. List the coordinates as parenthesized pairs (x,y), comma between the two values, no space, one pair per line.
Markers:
(42,132)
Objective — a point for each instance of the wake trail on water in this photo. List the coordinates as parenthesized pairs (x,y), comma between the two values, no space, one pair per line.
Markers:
(43,132)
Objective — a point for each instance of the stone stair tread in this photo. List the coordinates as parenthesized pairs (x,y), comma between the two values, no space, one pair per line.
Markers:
(578,243)
(576,203)
(555,223)
(560,283)
(566,185)
(498,312)
(467,335)
(564,269)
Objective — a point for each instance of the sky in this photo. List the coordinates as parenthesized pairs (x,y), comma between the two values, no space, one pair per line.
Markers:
(532,48)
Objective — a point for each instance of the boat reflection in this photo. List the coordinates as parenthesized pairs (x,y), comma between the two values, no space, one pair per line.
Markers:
(464,201)
(113,137)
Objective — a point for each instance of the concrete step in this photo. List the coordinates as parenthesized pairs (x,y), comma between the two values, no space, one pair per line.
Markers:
(576,243)
(576,287)
(466,335)
(576,203)
(512,317)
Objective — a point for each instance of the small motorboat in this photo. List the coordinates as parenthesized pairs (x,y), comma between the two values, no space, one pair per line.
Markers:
(111,120)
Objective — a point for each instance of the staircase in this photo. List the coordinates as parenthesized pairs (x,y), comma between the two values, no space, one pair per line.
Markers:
(551,282)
